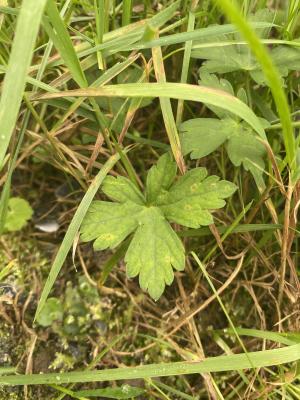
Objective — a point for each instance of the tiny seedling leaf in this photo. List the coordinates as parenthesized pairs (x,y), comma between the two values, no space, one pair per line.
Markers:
(155,248)
(52,311)
(18,213)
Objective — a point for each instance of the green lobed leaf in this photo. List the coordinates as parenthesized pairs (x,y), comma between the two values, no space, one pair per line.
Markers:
(234,57)
(192,198)
(201,136)
(121,189)
(238,57)
(160,177)
(18,213)
(109,223)
(155,248)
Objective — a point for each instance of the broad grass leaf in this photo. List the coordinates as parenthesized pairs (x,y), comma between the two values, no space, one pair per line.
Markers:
(232,362)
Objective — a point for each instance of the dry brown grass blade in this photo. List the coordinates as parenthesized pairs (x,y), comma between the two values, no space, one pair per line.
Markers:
(185,318)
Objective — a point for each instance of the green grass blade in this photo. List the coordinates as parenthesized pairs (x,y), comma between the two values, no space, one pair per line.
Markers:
(100,15)
(61,40)
(126,38)
(73,229)
(270,70)
(185,65)
(178,393)
(258,359)
(7,370)
(7,270)
(243,228)
(283,338)
(112,261)
(216,30)
(172,90)
(19,62)
(166,109)
(126,12)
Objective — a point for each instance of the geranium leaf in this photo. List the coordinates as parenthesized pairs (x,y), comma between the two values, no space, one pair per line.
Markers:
(155,248)
(191,200)
(122,189)
(201,136)
(160,177)
(109,223)
(231,57)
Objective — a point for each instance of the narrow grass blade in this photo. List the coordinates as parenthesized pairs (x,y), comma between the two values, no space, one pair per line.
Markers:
(166,109)
(7,370)
(236,362)
(172,90)
(270,70)
(100,14)
(178,393)
(60,37)
(215,30)
(205,231)
(185,66)
(126,12)
(7,269)
(124,37)
(112,261)
(19,61)
(283,338)
(73,229)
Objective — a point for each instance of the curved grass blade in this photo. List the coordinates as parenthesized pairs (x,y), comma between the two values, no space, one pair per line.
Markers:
(19,61)
(182,91)
(236,362)
(73,229)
